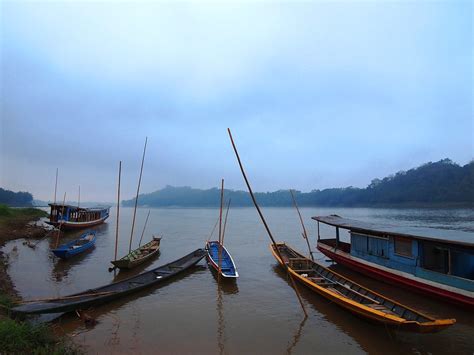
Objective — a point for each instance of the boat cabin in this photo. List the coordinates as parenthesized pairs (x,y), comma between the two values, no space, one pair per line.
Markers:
(65,214)
(445,257)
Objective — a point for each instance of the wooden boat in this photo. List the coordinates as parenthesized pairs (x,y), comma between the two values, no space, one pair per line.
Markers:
(112,291)
(354,297)
(139,255)
(227,269)
(74,217)
(85,242)
(438,263)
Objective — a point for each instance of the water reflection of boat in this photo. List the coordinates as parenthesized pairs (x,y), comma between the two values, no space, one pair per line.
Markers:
(62,267)
(230,287)
(112,291)
(354,297)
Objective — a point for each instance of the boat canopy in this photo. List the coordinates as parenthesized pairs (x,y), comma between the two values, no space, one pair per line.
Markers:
(60,205)
(443,236)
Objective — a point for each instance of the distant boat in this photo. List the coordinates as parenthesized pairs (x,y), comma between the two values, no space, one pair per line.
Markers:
(139,255)
(74,217)
(420,259)
(100,295)
(354,297)
(227,267)
(85,242)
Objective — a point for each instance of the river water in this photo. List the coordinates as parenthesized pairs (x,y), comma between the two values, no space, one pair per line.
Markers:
(257,314)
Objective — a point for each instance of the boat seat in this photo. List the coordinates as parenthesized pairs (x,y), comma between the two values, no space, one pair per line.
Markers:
(303,270)
(381,308)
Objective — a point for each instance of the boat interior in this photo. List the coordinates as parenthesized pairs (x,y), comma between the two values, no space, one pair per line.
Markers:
(325,278)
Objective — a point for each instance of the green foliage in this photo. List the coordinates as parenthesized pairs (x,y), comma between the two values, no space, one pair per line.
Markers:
(24,338)
(5,211)
(443,182)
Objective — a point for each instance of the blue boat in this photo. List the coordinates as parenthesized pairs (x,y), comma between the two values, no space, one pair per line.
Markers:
(86,241)
(227,267)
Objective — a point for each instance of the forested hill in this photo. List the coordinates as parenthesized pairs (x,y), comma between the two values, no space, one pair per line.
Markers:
(440,183)
(15,199)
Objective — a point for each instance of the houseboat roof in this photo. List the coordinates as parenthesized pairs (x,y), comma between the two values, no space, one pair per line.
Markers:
(95,208)
(445,236)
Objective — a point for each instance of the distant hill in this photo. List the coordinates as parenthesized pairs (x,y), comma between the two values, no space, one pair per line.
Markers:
(15,199)
(440,183)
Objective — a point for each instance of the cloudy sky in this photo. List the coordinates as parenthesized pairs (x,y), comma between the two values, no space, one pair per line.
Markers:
(317,94)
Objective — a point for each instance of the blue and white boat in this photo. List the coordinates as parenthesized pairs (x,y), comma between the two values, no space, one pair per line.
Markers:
(85,242)
(223,264)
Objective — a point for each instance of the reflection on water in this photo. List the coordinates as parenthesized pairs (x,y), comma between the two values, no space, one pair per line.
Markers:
(257,314)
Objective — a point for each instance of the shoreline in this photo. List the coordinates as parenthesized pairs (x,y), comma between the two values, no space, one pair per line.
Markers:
(17,227)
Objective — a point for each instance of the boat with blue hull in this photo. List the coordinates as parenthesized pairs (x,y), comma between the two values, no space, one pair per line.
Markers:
(80,245)
(438,263)
(217,255)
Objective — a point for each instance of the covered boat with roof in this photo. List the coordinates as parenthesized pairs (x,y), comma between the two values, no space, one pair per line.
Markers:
(433,262)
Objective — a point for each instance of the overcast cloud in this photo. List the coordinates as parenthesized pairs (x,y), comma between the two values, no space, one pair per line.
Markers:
(317,94)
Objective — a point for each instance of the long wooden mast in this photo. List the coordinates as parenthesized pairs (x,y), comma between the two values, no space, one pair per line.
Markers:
(61,222)
(225,221)
(143,231)
(220,228)
(56,185)
(305,235)
(136,198)
(118,211)
(275,246)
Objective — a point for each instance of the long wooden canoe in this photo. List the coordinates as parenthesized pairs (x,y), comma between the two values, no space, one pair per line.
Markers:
(139,255)
(80,245)
(354,297)
(227,268)
(112,291)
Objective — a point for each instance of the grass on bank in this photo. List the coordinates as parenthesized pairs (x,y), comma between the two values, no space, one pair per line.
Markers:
(25,338)
(27,212)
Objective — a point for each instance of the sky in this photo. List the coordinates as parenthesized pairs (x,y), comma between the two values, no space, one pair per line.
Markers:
(317,94)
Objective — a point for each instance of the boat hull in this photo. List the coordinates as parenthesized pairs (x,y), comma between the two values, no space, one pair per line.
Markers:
(363,310)
(395,277)
(77,225)
(126,263)
(100,295)
(228,269)
(66,251)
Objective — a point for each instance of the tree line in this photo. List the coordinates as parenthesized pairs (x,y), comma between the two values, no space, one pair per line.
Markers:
(439,183)
(15,199)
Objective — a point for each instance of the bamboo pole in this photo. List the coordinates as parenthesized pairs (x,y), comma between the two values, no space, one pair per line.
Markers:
(136,198)
(143,232)
(265,224)
(118,211)
(79,197)
(305,235)
(220,230)
(61,222)
(225,221)
(56,185)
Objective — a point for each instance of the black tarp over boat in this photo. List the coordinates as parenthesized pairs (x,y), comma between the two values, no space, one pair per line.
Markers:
(112,291)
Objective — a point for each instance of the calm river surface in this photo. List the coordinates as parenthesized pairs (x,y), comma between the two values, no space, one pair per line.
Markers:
(258,314)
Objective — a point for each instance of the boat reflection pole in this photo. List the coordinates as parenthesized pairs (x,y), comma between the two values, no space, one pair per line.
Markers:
(275,246)
(305,235)
(136,198)
(225,221)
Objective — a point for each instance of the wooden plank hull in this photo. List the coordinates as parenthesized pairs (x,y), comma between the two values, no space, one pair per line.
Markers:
(398,278)
(139,255)
(75,247)
(356,298)
(77,225)
(228,269)
(112,291)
